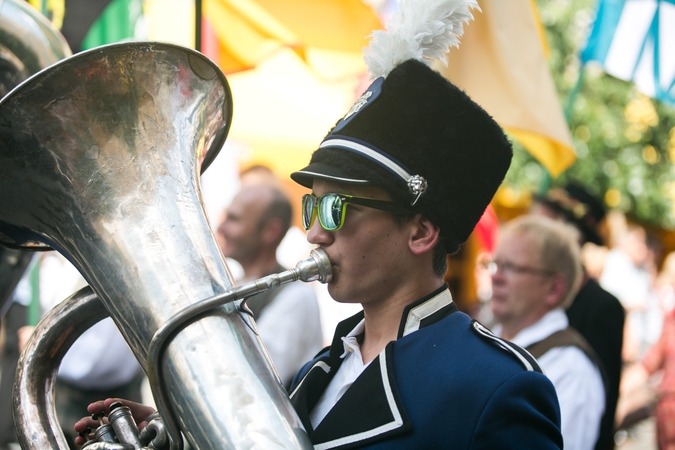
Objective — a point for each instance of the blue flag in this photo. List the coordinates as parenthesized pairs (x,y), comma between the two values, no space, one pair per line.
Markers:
(634,40)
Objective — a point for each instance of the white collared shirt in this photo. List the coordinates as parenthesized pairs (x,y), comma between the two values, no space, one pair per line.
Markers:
(577,381)
(349,371)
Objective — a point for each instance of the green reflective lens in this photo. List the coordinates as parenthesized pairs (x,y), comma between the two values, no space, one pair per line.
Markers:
(330,212)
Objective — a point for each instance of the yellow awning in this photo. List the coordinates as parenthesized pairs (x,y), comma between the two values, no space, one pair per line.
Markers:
(238,34)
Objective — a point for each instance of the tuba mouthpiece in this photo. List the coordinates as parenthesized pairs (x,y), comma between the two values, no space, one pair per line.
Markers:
(315,268)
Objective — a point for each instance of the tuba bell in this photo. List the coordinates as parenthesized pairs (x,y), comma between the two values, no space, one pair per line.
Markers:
(100,156)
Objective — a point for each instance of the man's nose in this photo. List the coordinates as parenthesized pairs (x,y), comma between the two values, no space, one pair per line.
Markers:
(318,236)
(497,276)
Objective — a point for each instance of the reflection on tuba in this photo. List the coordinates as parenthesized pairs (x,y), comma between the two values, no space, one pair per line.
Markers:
(28,43)
(99,159)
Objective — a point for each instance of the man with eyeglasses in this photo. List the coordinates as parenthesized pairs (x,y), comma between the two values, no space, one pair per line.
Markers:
(536,273)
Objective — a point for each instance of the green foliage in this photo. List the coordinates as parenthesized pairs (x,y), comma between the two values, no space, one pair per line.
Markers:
(625,141)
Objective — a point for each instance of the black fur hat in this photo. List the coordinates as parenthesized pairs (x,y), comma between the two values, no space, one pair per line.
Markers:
(425,142)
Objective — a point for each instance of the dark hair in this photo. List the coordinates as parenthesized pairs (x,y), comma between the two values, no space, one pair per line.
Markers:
(279,208)
(440,261)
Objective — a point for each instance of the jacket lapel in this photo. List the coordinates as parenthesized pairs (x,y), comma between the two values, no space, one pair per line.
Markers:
(308,391)
(370,410)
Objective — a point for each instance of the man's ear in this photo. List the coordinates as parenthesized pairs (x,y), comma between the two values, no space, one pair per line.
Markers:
(424,235)
(557,289)
(271,231)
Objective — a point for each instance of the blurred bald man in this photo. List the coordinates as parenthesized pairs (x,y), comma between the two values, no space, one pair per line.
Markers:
(287,317)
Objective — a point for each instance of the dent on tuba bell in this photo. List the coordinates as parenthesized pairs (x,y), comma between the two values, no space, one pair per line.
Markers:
(99,159)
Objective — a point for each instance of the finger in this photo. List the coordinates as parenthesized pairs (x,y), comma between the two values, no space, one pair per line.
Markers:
(98,406)
(83,436)
(80,440)
(85,422)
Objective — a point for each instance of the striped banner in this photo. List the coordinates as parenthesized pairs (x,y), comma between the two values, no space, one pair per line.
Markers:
(634,40)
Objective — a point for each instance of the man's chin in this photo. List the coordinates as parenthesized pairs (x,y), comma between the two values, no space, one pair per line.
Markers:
(497,311)
(338,294)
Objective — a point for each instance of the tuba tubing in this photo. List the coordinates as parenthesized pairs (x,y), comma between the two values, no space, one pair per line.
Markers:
(33,396)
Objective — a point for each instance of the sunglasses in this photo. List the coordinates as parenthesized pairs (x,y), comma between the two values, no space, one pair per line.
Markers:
(331,209)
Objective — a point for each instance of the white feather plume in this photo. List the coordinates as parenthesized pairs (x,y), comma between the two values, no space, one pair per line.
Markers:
(421,29)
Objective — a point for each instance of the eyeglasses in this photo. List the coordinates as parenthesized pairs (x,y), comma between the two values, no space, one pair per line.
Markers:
(509,267)
(333,207)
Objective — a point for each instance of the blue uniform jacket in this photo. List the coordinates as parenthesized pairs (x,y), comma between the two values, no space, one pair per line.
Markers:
(445,383)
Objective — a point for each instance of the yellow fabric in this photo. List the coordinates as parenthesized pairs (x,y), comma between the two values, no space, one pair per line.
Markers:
(246,32)
(251,30)
(304,59)
(540,30)
(500,63)
(327,34)
(331,24)
(555,156)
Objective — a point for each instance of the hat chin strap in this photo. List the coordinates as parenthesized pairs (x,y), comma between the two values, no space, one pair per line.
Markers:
(417,184)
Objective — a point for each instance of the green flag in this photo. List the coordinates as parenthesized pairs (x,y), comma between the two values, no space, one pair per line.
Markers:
(116,23)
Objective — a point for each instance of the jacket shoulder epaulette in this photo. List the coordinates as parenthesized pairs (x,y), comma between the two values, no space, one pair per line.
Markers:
(527,360)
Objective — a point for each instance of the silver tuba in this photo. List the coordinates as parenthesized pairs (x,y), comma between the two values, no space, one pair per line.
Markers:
(100,156)
(28,43)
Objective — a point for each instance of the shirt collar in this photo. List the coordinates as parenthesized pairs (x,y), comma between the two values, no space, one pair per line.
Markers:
(413,318)
(419,314)
(350,342)
(427,310)
(551,322)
